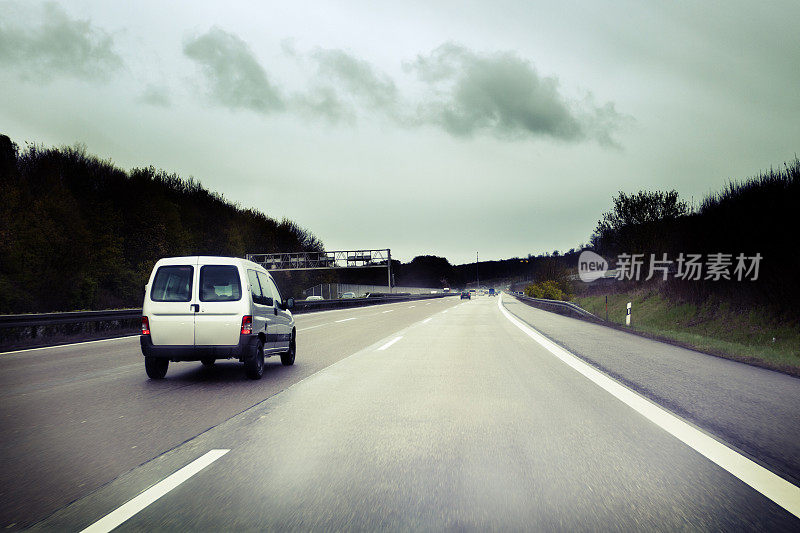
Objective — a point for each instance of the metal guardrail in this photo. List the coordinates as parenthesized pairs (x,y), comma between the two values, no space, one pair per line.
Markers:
(557,306)
(73,317)
(78,317)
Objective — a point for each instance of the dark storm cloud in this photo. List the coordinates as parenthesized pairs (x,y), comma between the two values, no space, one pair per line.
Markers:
(156,96)
(235,78)
(465,93)
(324,102)
(356,77)
(43,42)
(503,94)
(342,85)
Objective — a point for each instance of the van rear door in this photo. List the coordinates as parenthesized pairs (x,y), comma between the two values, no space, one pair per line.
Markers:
(219,320)
(170,309)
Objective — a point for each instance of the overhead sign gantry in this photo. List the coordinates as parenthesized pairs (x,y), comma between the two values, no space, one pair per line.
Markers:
(281,262)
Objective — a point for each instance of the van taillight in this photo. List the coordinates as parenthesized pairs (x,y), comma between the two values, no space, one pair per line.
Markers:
(145,326)
(247,325)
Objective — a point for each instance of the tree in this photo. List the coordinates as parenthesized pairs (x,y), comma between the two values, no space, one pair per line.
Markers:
(426,271)
(8,155)
(637,221)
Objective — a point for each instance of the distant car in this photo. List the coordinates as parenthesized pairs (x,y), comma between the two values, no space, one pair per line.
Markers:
(465,295)
(348,295)
(492,292)
(314,298)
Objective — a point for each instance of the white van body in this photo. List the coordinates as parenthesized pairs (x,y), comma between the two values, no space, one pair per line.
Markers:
(203,308)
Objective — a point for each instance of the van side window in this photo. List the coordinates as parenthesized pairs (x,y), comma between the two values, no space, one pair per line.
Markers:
(172,284)
(255,287)
(220,283)
(265,289)
(275,292)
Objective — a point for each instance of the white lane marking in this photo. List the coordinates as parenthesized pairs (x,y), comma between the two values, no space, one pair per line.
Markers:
(390,343)
(317,326)
(321,314)
(68,345)
(759,478)
(121,514)
(427,320)
(345,319)
(389,311)
(429,303)
(312,314)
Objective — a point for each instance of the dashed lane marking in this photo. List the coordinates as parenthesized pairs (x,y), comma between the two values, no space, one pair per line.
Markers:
(134,506)
(390,343)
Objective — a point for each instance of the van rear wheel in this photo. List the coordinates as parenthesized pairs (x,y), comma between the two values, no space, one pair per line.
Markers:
(287,358)
(254,365)
(156,367)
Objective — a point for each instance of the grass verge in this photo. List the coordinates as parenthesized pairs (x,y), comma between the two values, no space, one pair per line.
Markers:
(753,336)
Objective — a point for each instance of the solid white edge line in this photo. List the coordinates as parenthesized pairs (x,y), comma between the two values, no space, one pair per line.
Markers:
(759,478)
(390,343)
(389,311)
(427,320)
(345,319)
(132,507)
(68,345)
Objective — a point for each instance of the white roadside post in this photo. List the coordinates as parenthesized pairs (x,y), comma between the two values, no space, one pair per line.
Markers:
(628,315)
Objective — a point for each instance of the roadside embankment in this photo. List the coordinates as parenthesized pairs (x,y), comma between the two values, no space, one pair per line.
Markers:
(717,327)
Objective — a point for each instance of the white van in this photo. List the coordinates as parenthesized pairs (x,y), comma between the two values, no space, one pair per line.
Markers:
(207,308)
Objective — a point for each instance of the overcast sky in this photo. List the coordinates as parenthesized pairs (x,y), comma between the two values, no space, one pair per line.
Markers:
(429,127)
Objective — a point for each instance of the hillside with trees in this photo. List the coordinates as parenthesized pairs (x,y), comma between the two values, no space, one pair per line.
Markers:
(77,232)
(751,217)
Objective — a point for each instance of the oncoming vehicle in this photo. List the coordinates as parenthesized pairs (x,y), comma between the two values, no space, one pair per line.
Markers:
(492,292)
(314,298)
(203,308)
(465,295)
(348,295)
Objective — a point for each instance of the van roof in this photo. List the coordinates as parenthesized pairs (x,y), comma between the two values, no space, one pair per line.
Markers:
(206,259)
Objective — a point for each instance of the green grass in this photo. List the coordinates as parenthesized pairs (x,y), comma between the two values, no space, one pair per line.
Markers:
(715,327)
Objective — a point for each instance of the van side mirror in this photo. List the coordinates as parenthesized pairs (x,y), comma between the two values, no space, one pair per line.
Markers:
(289,304)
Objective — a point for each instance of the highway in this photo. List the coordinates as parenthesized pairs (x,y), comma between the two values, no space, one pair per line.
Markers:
(442,414)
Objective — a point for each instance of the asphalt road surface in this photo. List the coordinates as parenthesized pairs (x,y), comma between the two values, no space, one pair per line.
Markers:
(416,415)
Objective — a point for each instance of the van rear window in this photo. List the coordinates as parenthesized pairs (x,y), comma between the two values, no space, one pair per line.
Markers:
(172,284)
(220,283)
